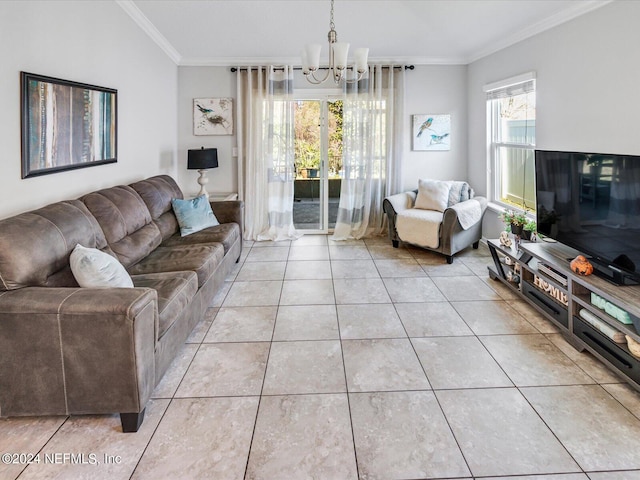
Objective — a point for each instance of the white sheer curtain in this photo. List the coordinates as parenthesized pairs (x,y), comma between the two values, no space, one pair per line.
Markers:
(266,165)
(371,149)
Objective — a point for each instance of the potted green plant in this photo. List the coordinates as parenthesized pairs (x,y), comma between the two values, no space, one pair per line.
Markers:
(514,220)
(529,229)
(307,159)
(312,166)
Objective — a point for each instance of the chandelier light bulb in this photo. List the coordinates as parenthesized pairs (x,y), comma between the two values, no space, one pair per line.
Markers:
(305,62)
(360,55)
(340,54)
(313,56)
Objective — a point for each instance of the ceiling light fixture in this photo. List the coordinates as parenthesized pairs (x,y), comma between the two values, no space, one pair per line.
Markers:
(338,52)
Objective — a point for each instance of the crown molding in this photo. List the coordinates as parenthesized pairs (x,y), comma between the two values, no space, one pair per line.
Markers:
(149,28)
(236,61)
(580,8)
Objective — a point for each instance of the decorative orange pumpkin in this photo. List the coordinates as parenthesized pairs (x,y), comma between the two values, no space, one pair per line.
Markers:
(581,265)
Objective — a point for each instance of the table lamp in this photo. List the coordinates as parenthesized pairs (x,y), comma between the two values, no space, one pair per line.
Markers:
(202,160)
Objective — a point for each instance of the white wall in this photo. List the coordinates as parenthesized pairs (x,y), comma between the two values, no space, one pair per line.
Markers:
(429,89)
(437,90)
(92,42)
(206,82)
(588,88)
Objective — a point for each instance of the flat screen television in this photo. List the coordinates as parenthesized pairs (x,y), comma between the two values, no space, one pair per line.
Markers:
(591,202)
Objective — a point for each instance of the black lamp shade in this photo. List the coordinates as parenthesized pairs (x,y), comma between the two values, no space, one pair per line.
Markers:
(202,159)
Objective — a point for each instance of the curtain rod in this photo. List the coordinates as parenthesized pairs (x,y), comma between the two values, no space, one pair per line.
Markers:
(406,67)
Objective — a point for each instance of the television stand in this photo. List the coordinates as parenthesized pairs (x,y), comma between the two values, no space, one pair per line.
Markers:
(584,308)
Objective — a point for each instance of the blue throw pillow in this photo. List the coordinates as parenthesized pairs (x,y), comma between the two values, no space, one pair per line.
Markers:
(193,215)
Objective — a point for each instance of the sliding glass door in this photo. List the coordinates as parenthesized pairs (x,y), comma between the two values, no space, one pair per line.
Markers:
(318,159)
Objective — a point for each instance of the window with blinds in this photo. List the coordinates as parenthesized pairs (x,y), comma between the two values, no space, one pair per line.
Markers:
(511,107)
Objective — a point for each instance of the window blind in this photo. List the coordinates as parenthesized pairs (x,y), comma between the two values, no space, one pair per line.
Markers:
(510,87)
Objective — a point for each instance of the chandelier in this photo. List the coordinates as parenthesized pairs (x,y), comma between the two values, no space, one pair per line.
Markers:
(338,52)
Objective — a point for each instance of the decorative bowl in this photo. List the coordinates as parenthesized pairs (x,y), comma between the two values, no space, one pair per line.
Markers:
(634,346)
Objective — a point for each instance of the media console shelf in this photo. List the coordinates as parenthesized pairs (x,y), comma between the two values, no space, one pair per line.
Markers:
(588,310)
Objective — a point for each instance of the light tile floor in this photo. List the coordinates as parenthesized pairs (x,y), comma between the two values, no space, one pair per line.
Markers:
(351,360)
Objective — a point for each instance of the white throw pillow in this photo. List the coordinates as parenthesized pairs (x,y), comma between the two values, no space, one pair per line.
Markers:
(432,195)
(94,269)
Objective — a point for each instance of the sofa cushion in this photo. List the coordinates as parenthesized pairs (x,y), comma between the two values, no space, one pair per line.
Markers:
(175,291)
(433,195)
(35,246)
(226,233)
(193,215)
(157,193)
(201,259)
(125,221)
(93,268)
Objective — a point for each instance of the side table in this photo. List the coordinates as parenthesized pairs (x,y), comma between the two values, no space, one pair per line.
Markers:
(220,197)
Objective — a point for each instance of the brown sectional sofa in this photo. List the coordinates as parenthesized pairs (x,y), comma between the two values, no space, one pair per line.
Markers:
(70,350)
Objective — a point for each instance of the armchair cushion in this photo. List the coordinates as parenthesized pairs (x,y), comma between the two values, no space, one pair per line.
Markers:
(420,227)
(432,195)
(460,192)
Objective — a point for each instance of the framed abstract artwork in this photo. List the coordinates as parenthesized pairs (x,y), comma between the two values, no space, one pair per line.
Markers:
(431,132)
(66,125)
(213,116)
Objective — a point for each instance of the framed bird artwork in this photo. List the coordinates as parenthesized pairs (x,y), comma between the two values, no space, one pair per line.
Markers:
(213,116)
(431,132)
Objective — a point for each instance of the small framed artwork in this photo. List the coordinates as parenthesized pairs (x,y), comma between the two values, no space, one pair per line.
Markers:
(431,132)
(213,116)
(66,125)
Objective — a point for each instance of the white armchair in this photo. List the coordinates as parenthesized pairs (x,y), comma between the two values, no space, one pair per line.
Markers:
(444,217)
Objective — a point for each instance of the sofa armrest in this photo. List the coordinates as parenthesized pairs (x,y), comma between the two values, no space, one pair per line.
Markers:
(77,350)
(229,211)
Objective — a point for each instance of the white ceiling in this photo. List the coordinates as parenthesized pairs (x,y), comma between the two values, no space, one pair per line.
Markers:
(239,32)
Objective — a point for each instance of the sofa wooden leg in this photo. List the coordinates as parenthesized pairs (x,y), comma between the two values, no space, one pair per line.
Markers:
(395,243)
(449,259)
(131,421)
(476,245)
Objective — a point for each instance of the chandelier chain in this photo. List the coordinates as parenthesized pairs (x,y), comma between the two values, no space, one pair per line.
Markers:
(332,25)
